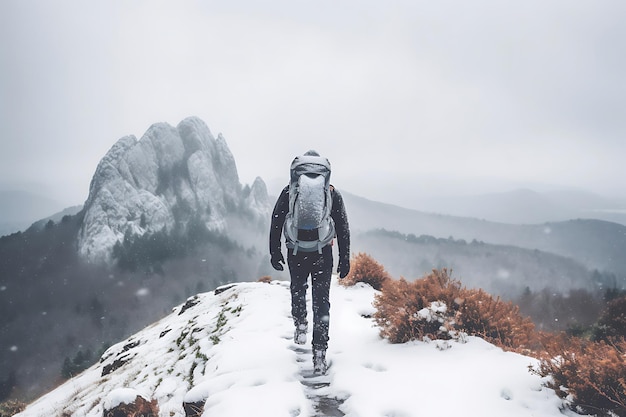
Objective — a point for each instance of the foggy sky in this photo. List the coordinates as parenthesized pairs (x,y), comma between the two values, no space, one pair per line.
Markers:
(404,97)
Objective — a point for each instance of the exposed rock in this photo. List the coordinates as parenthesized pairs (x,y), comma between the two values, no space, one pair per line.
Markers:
(194,400)
(169,176)
(191,301)
(119,357)
(115,365)
(126,402)
(223,288)
(193,409)
(258,200)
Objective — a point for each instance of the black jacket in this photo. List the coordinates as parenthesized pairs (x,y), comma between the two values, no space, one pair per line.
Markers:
(338,214)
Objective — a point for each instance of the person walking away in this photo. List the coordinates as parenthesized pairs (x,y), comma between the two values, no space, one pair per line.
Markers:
(310,213)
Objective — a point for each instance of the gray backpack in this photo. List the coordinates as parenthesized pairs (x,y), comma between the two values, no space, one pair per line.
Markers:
(308,225)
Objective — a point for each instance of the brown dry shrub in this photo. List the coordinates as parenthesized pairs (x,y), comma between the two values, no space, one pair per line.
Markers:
(399,304)
(11,407)
(591,374)
(364,268)
(497,321)
(140,407)
(265,279)
(438,307)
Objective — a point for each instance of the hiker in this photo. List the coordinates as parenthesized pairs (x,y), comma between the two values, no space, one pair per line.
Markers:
(311,214)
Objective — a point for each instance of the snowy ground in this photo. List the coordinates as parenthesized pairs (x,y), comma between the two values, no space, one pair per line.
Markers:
(236,348)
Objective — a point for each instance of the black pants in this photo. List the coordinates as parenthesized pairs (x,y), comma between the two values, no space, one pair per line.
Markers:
(319,267)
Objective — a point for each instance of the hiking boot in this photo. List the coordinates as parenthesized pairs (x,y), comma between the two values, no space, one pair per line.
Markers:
(299,336)
(319,362)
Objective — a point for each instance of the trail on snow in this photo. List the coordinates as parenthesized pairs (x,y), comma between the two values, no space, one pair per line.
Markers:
(317,386)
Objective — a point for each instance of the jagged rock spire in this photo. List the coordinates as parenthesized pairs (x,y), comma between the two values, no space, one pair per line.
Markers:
(167,177)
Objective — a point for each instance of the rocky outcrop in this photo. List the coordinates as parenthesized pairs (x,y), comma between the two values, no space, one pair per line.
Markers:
(127,402)
(257,199)
(194,401)
(169,176)
(193,409)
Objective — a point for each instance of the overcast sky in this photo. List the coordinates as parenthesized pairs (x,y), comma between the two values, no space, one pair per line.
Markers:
(404,97)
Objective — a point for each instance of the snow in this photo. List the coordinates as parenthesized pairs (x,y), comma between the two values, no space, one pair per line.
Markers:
(311,201)
(235,348)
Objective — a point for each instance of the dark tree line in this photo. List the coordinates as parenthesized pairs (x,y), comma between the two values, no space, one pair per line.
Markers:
(149,251)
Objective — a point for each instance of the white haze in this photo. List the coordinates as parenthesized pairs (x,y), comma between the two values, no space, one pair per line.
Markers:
(408,99)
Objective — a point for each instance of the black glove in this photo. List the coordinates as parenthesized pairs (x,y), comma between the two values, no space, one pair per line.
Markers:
(344,266)
(277,261)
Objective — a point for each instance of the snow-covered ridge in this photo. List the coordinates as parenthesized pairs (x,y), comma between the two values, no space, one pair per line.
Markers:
(168,175)
(233,348)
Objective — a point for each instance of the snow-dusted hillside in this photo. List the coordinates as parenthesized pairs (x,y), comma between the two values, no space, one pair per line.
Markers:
(170,175)
(235,349)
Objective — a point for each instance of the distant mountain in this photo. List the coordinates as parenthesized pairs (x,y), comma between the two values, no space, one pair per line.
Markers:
(19,209)
(524,206)
(596,244)
(56,217)
(502,270)
(170,178)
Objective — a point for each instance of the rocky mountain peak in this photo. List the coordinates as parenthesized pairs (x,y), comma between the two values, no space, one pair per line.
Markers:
(170,175)
(258,198)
